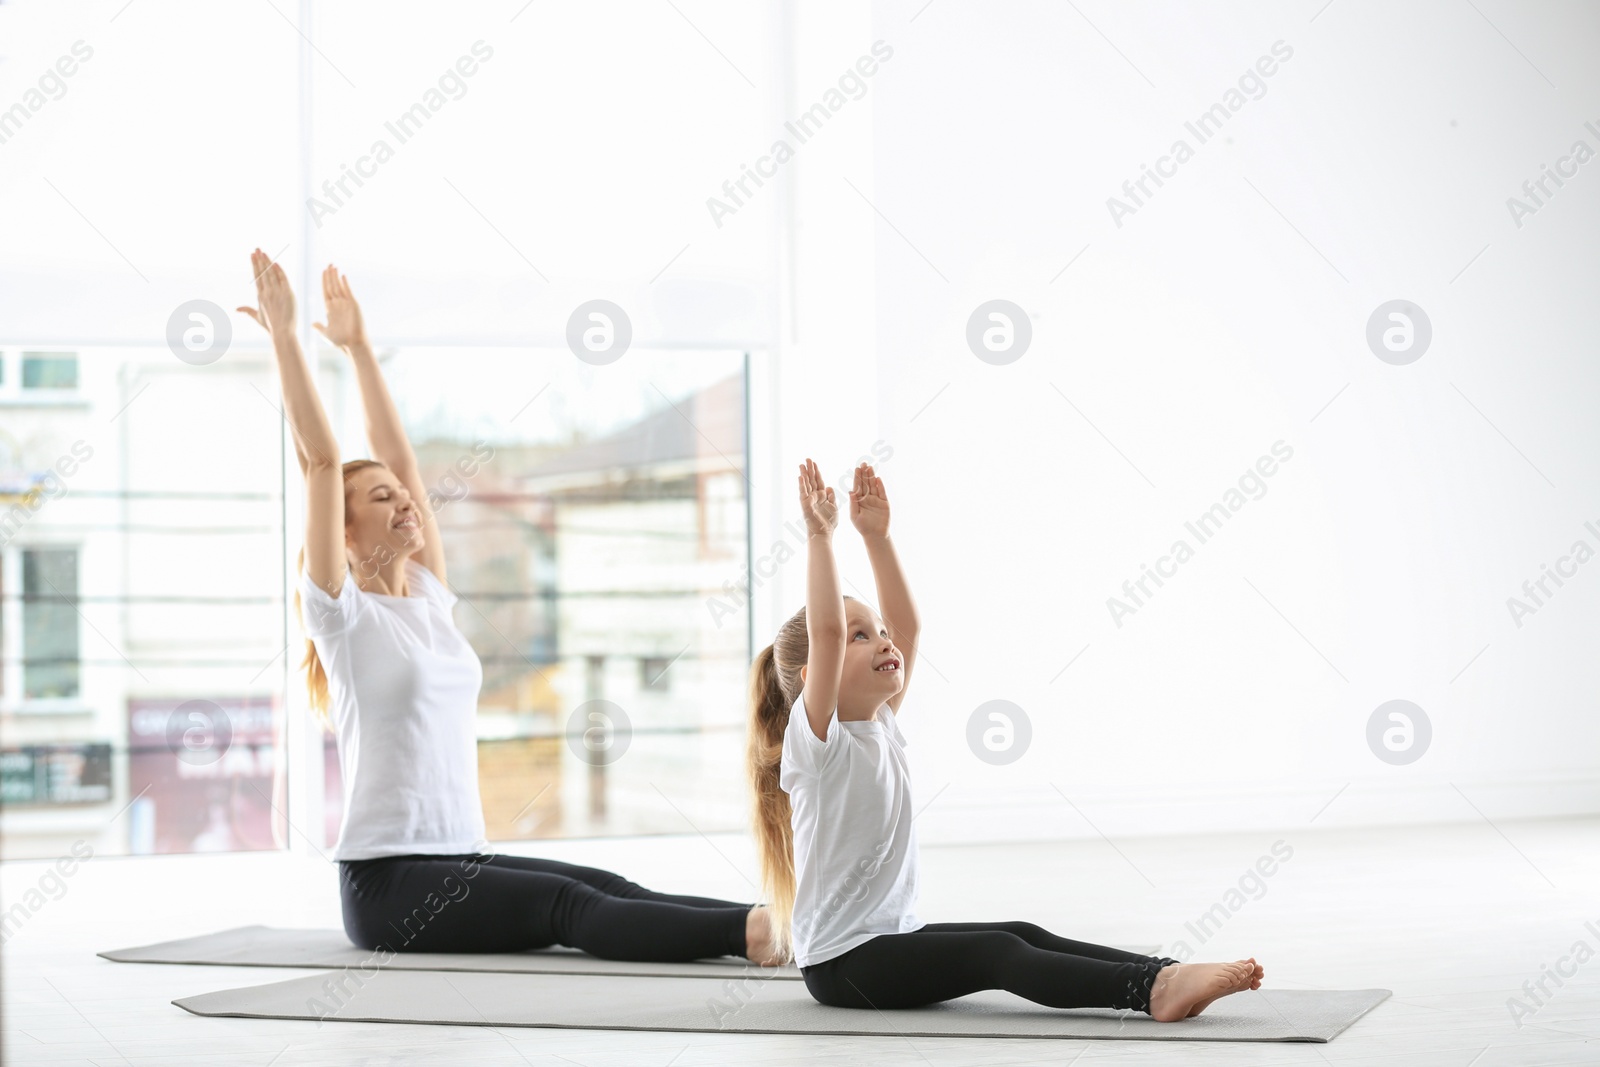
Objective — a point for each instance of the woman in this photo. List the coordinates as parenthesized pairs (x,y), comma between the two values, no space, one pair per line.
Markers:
(402,684)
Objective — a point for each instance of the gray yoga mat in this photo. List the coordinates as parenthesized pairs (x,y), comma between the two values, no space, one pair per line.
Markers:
(746,1003)
(266,946)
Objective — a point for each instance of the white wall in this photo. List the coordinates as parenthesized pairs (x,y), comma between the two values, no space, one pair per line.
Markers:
(1220,318)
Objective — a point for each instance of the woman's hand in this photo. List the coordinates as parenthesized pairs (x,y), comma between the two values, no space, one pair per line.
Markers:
(275,312)
(344,327)
(816,501)
(869,505)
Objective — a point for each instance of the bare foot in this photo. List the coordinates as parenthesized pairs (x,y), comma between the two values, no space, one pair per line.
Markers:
(1255,983)
(759,944)
(1184,989)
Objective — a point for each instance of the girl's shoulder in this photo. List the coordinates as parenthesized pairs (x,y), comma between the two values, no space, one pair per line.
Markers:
(804,753)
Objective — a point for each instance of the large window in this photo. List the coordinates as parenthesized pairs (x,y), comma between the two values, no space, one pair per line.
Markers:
(592,518)
(148,527)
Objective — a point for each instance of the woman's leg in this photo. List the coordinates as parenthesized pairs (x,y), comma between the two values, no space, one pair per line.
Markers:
(759,944)
(462,904)
(608,883)
(933,964)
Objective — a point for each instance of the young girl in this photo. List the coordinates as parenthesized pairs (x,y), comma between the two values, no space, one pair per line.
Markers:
(833,813)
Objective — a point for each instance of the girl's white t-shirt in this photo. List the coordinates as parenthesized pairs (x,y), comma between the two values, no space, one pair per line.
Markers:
(403,688)
(855,848)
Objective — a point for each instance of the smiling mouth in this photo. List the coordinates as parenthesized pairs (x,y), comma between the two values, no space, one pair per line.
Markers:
(406,524)
(888,668)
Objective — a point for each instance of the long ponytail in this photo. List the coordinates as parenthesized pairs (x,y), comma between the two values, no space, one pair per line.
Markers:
(316,676)
(775,683)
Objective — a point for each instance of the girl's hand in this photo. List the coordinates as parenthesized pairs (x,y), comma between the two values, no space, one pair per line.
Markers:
(275,313)
(344,327)
(816,501)
(869,505)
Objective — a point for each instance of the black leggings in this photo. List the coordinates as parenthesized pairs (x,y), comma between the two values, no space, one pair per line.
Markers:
(946,960)
(512,903)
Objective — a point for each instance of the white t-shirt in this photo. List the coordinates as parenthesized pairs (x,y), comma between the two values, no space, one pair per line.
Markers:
(403,696)
(855,848)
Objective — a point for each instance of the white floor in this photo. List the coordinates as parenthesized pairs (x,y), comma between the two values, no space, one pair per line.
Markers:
(1454,919)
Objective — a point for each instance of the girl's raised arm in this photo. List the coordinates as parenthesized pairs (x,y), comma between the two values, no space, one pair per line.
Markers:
(314,443)
(869,513)
(386,437)
(824,603)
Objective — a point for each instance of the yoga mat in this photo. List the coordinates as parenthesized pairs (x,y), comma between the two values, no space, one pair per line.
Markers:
(753,1005)
(266,946)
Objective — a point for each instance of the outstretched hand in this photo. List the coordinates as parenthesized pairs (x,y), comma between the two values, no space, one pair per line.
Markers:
(869,504)
(274,297)
(344,327)
(816,501)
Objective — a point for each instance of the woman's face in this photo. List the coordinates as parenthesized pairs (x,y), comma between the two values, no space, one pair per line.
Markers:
(381,522)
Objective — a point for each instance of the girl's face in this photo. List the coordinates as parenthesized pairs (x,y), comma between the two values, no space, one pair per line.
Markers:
(381,522)
(872,664)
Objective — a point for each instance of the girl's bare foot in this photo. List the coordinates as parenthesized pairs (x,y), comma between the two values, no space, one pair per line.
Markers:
(1182,990)
(1255,983)
(759,944)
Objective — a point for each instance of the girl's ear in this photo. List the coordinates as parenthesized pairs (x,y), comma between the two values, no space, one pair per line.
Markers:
(802,676)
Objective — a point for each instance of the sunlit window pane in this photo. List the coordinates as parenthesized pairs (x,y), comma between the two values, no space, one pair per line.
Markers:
(142,607)
(588,516)
(488,177)
(143,178)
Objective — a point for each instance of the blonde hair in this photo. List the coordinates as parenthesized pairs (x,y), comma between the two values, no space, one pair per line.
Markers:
(775,683)
(316,676)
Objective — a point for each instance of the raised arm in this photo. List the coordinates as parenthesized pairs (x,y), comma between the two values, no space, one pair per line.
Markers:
(869,513)
(824,602)
(314,443)
(386,437)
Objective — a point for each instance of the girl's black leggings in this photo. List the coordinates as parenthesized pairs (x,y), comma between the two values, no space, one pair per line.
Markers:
(476,903)
(942,961)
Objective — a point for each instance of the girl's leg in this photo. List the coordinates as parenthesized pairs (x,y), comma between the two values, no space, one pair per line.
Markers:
(461,904)
(1039,937)
(608,883)
(925,967)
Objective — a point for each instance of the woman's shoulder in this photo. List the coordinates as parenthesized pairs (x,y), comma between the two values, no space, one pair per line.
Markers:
(431,584)
(321,594)
(325,614)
